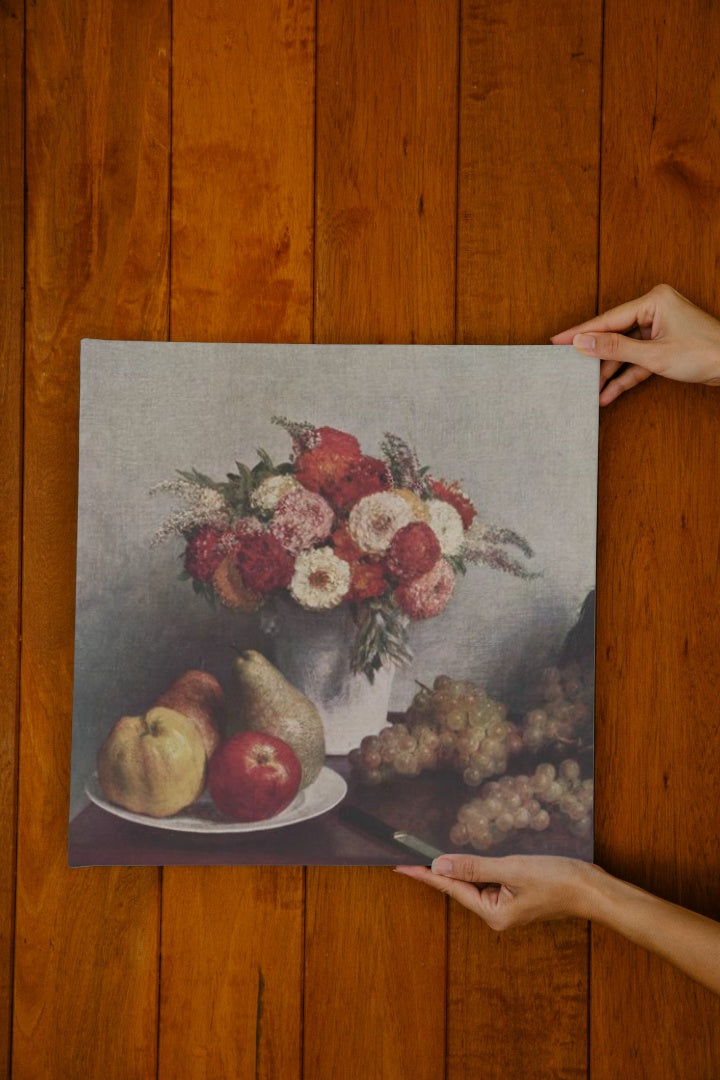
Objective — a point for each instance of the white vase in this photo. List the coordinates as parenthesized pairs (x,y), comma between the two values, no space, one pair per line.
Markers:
(312,650)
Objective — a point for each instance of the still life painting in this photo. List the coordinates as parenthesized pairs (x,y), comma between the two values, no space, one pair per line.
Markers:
(335,603)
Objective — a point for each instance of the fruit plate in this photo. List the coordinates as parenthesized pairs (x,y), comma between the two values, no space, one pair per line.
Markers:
(202,817)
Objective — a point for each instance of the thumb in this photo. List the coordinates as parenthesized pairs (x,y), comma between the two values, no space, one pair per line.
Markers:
(470,868)
(621,349)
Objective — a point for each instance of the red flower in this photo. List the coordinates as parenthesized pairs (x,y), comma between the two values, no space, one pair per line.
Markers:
(363,476)
(413,551)
(451,493)
(264,563)
(341,478)
(367,580)
(339,442)
(318,470)
(205,551)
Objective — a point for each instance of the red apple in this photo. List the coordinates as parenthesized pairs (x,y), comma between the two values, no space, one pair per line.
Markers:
(252,776)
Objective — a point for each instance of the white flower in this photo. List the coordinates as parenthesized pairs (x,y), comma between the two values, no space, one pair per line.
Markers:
(320,580)
(268,494)
(447,525)
(203,506)
(375,519)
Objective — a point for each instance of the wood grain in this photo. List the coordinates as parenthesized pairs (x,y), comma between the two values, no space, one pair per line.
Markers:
(243,138)
(528,181)
(97,181)
(657,754)
(12,216)
(386,172)
(527,243)
(658,748)
(393,188)
(385,256)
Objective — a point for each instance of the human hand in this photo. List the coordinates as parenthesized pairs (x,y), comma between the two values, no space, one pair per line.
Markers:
(513,890)
(660,333)
(519,889)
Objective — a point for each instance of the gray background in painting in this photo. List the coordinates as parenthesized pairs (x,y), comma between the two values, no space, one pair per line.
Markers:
(516,425)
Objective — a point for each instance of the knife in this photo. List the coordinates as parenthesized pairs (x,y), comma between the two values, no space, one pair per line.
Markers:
(353,815)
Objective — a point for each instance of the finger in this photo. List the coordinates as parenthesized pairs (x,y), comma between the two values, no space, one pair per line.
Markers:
(608,368)
(566,337)
(625,381)
(622,317)
(466,894)
(621,349)
(475,868)
(421,873)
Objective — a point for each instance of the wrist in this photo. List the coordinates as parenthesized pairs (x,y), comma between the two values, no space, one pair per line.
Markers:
(595,893)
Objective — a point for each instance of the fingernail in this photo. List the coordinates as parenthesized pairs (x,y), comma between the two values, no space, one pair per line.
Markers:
(442,866)
(584,341)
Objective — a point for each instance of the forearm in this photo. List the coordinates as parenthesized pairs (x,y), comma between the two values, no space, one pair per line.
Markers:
(689,941)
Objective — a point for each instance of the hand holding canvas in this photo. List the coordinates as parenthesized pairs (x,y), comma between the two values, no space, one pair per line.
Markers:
(660,333)
(521,889)
(511,891)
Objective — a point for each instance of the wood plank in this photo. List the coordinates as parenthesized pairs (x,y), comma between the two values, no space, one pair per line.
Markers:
(657,627)
(97,234)
(527,242)
(243,96)
(243,86)
(385,261)
(386,156)
(529,138)
(12,241)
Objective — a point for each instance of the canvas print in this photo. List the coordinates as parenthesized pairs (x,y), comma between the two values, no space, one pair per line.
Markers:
(335,604)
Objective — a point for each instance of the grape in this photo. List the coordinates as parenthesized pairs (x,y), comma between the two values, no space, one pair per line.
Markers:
(516,802)
(458,835)
(569,769)
(540,821)
(565,698)
(454,725)
(372,759)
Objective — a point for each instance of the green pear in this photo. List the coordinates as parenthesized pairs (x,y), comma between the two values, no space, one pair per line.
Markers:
(265,701)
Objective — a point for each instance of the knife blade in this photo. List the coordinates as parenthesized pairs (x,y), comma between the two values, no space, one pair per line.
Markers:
(375,826)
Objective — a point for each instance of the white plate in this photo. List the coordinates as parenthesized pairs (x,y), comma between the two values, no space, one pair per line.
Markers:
(202,817)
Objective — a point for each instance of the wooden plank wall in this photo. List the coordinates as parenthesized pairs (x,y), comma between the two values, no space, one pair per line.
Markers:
(358,170)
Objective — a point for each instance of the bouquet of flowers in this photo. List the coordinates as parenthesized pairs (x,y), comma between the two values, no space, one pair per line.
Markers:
(332,525)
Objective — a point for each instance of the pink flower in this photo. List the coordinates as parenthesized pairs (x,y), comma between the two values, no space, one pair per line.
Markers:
(427,595)
(302,519)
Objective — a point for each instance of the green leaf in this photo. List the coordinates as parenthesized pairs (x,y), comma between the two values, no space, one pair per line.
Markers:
(381,637)
(458,563)
(244,473)
(265,459)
